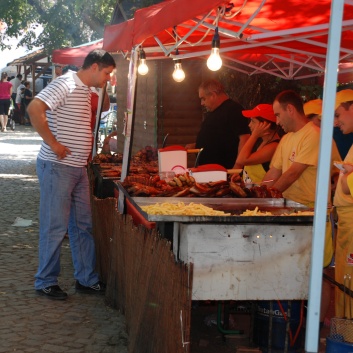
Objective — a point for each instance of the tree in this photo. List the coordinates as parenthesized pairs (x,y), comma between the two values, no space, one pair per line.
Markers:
(65,23)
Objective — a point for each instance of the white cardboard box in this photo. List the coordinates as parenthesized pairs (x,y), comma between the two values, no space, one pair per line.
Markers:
(208,173)
(172,158)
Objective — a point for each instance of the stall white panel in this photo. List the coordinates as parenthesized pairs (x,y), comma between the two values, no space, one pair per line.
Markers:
(246,262)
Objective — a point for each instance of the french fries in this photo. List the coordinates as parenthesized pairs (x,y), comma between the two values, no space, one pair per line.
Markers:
(256,212)
(182,209)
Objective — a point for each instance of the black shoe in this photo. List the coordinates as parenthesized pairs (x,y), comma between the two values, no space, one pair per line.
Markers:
(98,287)
(53,292)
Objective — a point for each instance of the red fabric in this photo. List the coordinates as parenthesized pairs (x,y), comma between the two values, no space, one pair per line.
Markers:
(94,108)
(119,37)
(74,56)
(209,168)
(156,18)
(159,20)
(172,148)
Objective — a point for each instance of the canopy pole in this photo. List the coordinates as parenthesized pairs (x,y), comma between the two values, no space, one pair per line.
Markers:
(324,167)
(129,122)
(98,119)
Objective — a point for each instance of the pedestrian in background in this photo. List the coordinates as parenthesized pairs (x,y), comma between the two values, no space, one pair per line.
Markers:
(19,107)
(15,84)
(61,114)
(5,100)
(27,98)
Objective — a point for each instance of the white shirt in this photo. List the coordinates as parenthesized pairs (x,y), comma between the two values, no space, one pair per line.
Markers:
(18,94)
(69,118)
(15,83)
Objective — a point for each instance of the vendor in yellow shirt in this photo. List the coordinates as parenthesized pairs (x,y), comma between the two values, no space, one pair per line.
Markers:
(347,180)
(313,111)
(294,165)
(258,150)
(343,201)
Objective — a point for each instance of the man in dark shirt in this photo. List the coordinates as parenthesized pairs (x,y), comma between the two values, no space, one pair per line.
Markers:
(224,130)
(27,98)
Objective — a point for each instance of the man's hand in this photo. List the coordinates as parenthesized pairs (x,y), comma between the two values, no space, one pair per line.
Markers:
(60,150)
(348,168)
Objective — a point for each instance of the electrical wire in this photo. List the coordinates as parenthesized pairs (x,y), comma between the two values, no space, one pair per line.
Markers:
(291,338)
(236,13)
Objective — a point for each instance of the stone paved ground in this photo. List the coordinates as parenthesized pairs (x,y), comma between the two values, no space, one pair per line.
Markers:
(30,323)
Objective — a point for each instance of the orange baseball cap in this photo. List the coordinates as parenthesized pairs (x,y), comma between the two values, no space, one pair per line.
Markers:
(346,95)
(264,111)
(313,107)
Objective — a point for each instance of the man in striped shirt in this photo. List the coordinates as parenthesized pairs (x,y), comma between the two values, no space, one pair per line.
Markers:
(61,114)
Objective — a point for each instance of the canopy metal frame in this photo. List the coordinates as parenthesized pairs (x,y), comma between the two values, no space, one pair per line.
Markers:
(288,65)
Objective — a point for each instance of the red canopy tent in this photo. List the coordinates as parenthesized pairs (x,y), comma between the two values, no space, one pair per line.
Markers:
(75,55)
(278,37)
(291,39)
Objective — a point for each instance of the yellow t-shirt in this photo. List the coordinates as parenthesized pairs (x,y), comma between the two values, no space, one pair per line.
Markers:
(302,147)
(254,173)
(341,199)
(350,183)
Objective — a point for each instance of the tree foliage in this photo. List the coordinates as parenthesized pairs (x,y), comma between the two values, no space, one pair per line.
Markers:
(65,23)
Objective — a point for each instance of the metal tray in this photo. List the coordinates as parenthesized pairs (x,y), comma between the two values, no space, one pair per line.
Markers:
(235,206)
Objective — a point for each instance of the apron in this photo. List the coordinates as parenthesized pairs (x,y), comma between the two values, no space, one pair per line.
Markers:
(344,254)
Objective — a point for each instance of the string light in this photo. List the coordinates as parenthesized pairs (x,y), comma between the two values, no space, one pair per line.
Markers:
(214,62)
(142,68)
(178,73)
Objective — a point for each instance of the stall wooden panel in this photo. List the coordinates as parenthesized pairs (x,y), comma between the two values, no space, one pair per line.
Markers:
(103,228)
(143,281)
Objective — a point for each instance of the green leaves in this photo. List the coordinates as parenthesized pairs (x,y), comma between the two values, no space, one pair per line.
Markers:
(65,23)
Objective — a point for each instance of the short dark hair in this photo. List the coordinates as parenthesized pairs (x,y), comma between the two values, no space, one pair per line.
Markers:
(19,76)
(290,97)
(100,57)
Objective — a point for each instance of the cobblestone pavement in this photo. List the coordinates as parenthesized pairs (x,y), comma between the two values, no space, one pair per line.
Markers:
(30,323)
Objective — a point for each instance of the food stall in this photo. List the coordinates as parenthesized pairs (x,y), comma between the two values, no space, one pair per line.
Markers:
(262,36)
(242,254)
(251,248)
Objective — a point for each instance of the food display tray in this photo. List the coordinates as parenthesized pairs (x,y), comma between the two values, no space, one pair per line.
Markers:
(280,208)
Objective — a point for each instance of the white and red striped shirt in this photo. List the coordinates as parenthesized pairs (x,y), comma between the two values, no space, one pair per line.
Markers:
(69,119)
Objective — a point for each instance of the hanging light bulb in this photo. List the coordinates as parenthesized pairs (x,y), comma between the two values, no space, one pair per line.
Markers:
(178,73)
(214,62)
(142,68)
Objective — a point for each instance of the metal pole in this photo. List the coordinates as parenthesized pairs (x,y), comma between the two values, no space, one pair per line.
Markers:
(129,123)
(315,284)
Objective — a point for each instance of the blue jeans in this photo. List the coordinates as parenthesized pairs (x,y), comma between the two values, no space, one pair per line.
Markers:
(64,205)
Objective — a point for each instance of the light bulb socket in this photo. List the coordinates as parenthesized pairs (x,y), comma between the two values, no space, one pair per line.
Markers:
(177,61)
(142,54)
(216,42)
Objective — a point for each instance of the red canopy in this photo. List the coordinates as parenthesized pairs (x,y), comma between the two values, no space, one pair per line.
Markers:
(274,36)
(76,55)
